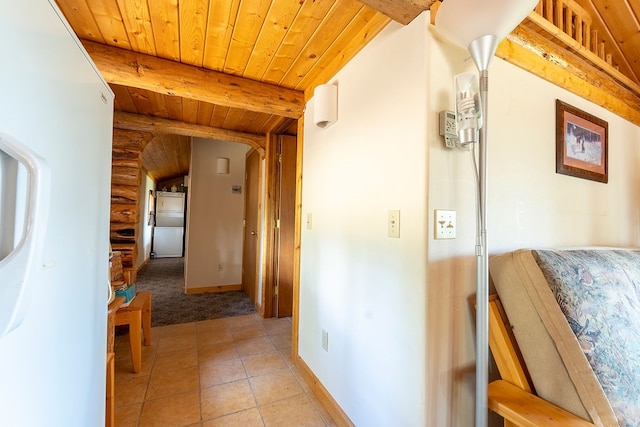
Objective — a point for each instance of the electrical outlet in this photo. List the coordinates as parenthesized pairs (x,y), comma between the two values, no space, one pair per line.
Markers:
(394,224)
(445,226)
(325,340)
(448,128)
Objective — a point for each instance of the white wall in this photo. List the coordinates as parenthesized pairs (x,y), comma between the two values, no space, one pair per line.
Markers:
(401,338)
(144,251)
(214,215)
(365,289)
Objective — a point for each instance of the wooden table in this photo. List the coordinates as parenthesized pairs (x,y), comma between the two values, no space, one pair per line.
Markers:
(110,399)
(138,316)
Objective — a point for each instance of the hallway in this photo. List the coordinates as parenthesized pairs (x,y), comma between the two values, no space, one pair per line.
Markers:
(235,371)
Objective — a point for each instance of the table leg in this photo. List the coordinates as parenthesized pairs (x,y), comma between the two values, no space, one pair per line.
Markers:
(135,326)
(146,322)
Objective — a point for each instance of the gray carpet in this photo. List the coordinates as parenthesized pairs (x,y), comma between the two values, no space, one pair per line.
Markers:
(164,277)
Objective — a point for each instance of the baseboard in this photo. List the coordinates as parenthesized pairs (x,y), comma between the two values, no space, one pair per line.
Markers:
(340,418)
(207,289)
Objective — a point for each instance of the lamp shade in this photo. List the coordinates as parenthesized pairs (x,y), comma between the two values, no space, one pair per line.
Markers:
(463,21)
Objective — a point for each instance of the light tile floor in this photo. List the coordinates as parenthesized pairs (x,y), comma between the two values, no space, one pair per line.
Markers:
(236,371)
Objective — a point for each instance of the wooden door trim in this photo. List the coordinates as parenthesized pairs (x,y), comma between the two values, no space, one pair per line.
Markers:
(271,187)
(295,310)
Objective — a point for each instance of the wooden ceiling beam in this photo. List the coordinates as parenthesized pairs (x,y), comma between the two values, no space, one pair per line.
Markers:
(128,68)
(157,126)
(402,11)
(531,51)
(280,126)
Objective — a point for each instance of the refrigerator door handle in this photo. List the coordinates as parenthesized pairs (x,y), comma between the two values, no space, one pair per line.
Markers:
(24,203)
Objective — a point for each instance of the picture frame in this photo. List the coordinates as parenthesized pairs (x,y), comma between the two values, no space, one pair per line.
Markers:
(582,143)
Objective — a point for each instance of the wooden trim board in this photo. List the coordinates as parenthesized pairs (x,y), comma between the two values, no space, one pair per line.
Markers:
(339,417)
(218,288)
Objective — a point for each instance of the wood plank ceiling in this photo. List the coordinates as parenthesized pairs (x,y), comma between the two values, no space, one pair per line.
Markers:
(285,46)
(239,69)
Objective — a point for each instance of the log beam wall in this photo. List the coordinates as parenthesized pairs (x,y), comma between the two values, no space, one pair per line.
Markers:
(126,177)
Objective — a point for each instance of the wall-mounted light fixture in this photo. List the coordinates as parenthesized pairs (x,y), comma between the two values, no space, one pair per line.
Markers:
(325,107)
(222,166)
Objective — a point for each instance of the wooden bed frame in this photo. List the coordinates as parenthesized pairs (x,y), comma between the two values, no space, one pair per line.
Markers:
(512,397)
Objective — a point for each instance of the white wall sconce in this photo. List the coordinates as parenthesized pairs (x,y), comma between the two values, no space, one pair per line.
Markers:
(325,108)
(222,166)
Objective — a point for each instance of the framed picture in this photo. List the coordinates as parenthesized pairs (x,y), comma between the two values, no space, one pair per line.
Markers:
(582,142)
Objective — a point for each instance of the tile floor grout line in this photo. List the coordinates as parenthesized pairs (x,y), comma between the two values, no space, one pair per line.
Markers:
(277,337)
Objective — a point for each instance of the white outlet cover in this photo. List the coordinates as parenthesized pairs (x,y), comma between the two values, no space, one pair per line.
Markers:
(445,224)
(394,224)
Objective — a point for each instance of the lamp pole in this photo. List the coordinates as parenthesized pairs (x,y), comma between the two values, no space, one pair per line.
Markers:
(482,270)
(482,50)
(479,26)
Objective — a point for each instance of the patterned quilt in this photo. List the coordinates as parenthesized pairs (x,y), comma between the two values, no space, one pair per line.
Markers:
(599,294)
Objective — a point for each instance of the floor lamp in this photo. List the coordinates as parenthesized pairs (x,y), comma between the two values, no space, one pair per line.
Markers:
(479,26)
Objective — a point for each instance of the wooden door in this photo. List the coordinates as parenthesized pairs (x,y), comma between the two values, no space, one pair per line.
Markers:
(251,229)
(286,240)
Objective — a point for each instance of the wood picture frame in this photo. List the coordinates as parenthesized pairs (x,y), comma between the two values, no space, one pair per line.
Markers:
(582,143)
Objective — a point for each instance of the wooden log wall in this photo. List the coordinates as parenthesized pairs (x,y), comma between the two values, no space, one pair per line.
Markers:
(126,178)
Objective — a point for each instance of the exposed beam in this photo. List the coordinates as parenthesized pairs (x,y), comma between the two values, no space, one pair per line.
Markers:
(128,68)
(402,11)
(280,126)
(531,51)
(156,125)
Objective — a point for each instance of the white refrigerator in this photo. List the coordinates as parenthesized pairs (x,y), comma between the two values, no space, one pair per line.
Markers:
(56,117)
(168,233)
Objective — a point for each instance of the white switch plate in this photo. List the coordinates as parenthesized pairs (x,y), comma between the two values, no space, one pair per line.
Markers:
(309,223)
(325,340)
(394,224)
(445,225)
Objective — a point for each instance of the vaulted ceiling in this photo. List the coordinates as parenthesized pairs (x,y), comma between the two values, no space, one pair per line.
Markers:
(240,69)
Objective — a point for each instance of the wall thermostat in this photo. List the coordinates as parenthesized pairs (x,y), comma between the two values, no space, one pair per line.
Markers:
(448,128)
